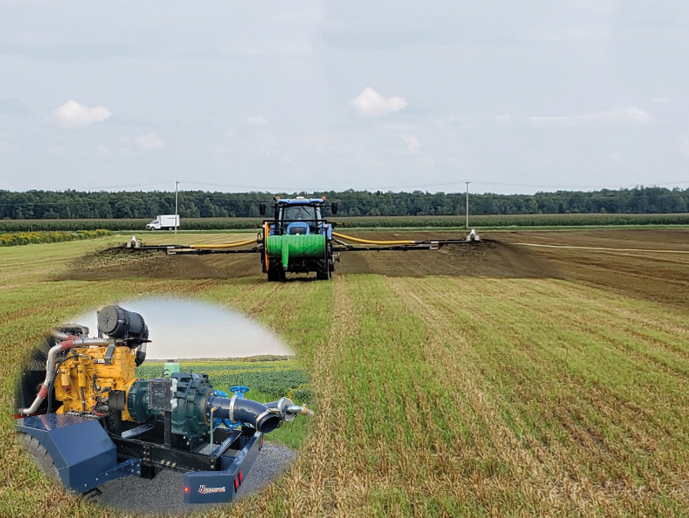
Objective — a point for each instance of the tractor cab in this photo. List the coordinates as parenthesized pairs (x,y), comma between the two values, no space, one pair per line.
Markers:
(300,219)
(298,216)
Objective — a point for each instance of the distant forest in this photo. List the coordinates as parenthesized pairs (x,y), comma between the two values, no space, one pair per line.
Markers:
(194,204)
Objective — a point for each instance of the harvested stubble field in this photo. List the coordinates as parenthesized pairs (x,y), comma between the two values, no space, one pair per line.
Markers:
(490,380)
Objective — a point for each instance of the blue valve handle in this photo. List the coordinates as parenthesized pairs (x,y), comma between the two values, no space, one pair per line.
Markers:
(239,390)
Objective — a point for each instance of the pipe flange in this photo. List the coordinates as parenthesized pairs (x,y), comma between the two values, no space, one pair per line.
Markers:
(281,407)
(231,409)
(206,415)
(258,419)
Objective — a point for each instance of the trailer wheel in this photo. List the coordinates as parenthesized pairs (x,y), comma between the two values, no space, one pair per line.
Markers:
(41,457)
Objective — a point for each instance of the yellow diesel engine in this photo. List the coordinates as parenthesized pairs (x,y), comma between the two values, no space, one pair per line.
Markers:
(84,371)
(88,374)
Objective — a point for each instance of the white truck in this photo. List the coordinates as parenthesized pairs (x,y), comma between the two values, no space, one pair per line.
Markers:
(164,222)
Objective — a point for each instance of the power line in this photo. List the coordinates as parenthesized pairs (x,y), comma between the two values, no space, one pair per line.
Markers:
(537,186)
(126,186)
(274,188)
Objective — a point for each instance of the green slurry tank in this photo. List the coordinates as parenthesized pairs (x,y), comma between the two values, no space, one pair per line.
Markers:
(288,247)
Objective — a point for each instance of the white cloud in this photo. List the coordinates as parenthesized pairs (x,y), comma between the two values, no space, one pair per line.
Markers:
(75,115)
(412,142)
(149,141)
(257,121)
(605,117)
(661,100)
(370,103)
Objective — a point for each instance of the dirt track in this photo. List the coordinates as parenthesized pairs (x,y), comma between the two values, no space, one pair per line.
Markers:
(662,277)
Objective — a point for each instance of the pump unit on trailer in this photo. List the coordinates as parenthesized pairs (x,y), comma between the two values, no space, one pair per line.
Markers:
(94,421)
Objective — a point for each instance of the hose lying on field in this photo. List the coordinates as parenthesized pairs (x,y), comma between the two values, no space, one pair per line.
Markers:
(224,245)
(371,242)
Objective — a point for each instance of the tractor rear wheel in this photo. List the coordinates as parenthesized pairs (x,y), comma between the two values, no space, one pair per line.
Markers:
(41,457)
(323,271)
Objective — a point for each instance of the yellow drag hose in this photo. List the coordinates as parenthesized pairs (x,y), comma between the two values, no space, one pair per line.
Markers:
(370,242)
(224,245)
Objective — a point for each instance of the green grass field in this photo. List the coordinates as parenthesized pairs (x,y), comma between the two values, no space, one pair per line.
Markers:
(435,396)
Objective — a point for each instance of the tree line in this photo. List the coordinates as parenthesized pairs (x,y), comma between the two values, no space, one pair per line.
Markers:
(73,204)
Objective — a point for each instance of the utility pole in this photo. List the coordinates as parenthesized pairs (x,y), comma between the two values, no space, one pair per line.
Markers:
(467,220)
(176,216)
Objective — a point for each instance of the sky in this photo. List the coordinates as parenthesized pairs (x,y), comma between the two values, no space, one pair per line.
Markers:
(186,329)
(513,96)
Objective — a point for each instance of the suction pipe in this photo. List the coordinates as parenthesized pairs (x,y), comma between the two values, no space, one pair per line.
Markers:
(245,411)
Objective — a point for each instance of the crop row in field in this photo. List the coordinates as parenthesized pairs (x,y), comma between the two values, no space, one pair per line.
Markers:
(134,225)
(28,238)
(514,220)
(517,220)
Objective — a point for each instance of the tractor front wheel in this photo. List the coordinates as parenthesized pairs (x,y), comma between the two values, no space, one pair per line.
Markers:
(276,273)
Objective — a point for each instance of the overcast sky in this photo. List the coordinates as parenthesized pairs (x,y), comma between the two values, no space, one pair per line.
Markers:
(514,96)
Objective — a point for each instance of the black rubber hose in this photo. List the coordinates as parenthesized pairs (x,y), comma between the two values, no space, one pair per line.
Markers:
(245,411)
(140,355)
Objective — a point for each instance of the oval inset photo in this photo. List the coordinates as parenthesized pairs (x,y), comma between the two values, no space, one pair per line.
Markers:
(162,405)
